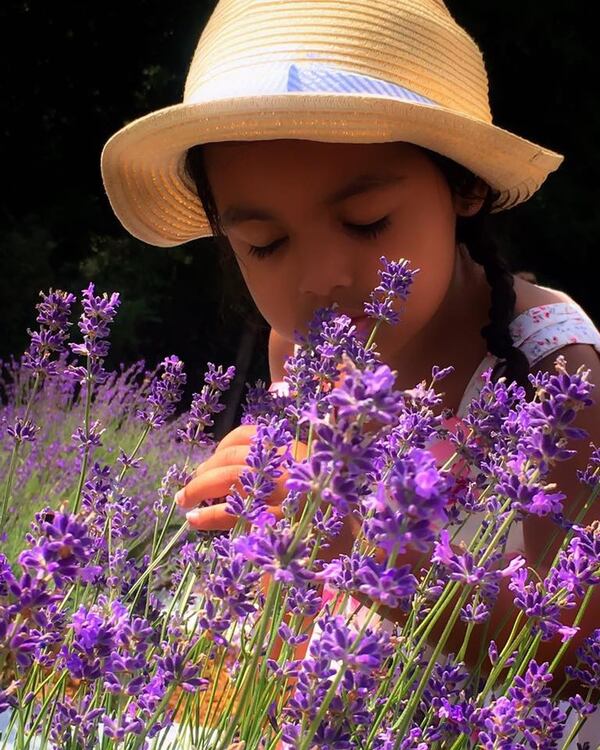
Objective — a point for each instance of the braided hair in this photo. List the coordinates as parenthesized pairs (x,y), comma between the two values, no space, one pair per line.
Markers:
(472,231)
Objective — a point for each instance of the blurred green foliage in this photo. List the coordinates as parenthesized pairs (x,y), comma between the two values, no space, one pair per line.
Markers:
(86,69)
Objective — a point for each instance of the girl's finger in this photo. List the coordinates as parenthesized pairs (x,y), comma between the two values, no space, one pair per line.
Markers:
(239,436)
(210,484)
(218,482)
(212,518)
(231,455)
(216,518)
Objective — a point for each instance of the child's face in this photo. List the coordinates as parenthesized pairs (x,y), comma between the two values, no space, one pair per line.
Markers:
(319,257)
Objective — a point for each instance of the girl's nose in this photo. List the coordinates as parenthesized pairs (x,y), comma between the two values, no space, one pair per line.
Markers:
(322,268)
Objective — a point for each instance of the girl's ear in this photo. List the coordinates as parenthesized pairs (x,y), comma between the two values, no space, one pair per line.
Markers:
(469,204)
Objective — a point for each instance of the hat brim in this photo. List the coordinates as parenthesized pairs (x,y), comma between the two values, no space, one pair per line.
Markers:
(143,163)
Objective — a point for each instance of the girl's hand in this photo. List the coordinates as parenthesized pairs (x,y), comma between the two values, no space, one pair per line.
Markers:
(213,480)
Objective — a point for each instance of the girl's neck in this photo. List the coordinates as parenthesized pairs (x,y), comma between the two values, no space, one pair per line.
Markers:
(452,336)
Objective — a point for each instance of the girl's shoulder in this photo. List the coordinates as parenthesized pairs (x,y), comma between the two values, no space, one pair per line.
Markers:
(547,320)
(530,296)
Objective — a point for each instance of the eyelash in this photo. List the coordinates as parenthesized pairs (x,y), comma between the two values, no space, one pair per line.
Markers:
(370,231)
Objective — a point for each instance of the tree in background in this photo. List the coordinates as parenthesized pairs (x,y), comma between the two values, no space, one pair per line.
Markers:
(86,69)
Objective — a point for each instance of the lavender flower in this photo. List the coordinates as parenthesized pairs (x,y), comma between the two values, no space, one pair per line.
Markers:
(264,460)
(396,280)
(405,506)
(53,315)
(541,606)
(587,670)
(205,404)
(261,402)
(561,396)
(314,369)
(303,601)
(62,550)
(29,620)
(339,642)
(23,430)
(128,461)
(366,394)
(165,393)
(90,440)
(94,324)
(76,722)
(234,581)
(590,475)
(582,707)
(362,573)
(271,550)
(174,667)
(463,567)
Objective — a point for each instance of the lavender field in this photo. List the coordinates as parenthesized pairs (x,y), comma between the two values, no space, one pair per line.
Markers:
(123,627)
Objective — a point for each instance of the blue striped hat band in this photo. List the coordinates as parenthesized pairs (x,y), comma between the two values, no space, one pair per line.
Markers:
(283,78)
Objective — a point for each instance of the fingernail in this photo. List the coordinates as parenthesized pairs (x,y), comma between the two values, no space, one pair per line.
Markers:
(193,516)
(179,497)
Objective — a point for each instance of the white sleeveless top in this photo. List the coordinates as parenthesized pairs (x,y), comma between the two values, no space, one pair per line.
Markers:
(537,332)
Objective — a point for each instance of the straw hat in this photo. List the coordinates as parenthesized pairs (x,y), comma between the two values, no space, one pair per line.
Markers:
(344,71)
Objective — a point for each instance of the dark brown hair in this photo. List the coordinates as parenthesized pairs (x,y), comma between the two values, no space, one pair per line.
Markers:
(474,232)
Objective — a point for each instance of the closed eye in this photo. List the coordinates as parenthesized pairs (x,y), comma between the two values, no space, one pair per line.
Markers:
(369,231)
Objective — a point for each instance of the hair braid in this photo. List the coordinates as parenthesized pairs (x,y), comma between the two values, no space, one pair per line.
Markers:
(484,250)
(475,234)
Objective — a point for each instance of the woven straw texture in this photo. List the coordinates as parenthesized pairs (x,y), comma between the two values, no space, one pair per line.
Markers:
(351,71)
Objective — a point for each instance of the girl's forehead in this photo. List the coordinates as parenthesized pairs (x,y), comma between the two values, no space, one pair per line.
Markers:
(286,155)
(259,180)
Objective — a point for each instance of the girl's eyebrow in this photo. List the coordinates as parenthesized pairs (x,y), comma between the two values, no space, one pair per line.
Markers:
(361,184)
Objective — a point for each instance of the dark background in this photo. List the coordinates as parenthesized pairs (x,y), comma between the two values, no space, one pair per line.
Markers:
(78,71)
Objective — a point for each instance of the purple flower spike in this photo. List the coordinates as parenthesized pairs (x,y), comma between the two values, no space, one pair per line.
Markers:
(587,671)
(366,394)
(94,324)
(165,393)
(22,431)
(53,315)
(74,722)
(62,551)
(205,404)
(396,279)
(359,572)
(407,504)
(337,639)
(270,550)
(591,475)
(93,438)
(264,462)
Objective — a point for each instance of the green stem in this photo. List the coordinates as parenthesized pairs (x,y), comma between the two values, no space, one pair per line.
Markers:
(86,451)
(576,621)
(249,674)
(38,720)
(578,724)
(137,586)
(14,454)
(329,696)
(408,712)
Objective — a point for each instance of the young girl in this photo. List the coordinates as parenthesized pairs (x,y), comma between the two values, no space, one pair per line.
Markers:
(315,137)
